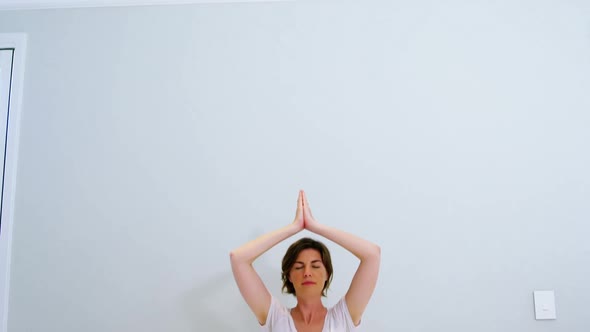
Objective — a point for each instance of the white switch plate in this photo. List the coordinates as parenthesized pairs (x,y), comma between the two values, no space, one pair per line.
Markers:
(544,305)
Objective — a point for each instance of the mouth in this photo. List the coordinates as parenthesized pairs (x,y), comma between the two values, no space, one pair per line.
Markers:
(308,283)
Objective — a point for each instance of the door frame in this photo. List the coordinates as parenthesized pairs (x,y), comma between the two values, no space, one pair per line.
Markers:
(17,42)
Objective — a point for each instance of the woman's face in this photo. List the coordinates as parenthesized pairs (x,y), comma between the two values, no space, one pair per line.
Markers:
(308,275)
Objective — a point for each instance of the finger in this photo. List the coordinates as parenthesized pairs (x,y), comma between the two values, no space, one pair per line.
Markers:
(305,199)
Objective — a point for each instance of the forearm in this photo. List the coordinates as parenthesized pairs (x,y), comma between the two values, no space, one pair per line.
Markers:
(250,251)
(361,248)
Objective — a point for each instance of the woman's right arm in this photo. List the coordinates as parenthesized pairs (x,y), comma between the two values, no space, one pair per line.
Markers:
(251,286)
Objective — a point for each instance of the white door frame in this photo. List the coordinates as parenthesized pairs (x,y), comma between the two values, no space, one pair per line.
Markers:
(18,42)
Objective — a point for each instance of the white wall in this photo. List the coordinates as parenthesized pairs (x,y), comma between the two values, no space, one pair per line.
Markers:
(155,139)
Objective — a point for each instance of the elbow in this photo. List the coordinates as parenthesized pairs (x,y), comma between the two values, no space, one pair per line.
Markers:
(376,252)
(236,257)
(371,253)
(233,255)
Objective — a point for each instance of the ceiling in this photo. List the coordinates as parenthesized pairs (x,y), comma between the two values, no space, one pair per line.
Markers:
(41,4)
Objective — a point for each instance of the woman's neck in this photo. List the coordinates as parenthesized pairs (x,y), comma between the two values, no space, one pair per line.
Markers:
(310,309)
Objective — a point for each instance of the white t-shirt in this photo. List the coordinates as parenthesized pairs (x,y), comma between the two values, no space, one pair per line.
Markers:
(337,319)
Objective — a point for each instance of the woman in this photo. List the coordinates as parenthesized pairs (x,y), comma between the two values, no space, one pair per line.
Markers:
(307,272)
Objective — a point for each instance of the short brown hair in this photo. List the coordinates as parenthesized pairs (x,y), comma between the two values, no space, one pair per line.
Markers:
(291,256)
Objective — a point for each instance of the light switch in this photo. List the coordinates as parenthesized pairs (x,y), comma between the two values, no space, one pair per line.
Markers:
(544,305)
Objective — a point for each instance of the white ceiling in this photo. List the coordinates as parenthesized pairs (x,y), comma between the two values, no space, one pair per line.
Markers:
(39,4)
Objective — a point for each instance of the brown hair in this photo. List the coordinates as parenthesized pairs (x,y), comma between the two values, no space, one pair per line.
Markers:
(291,256)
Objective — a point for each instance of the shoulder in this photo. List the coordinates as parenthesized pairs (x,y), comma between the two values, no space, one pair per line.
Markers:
(278,317)
(339,317)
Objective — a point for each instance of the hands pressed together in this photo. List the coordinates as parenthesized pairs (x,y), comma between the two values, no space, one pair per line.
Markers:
(303,217)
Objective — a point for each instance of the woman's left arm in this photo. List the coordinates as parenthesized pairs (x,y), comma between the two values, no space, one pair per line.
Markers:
(364,280)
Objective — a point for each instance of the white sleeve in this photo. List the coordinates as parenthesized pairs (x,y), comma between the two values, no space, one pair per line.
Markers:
(277,318)
(342,316)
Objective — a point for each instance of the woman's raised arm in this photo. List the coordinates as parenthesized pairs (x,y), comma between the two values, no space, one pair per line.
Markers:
(251,286)
(363,283)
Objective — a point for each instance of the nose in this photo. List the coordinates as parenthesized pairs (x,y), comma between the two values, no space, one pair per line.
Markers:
(307,272)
